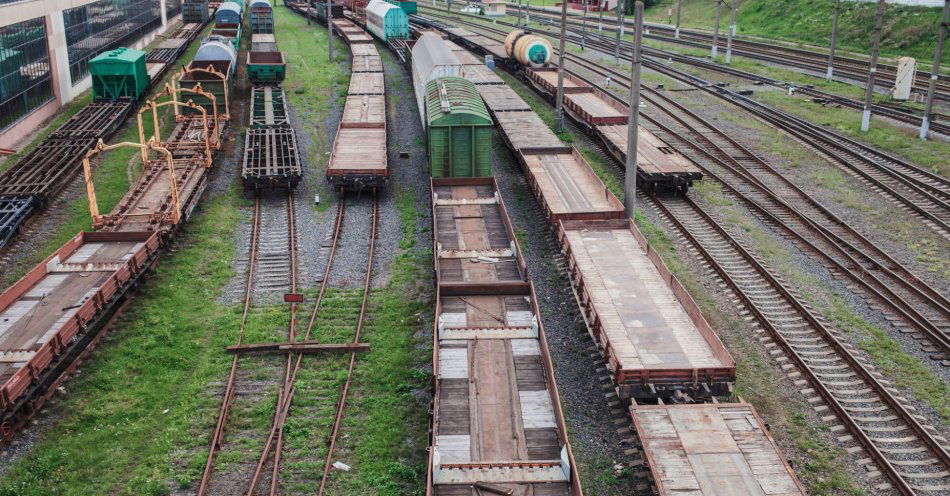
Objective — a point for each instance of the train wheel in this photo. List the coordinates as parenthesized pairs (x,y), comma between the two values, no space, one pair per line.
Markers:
(6,429)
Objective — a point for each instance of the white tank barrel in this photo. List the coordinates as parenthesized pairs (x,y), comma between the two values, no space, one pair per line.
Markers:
(529,49)
(214,49)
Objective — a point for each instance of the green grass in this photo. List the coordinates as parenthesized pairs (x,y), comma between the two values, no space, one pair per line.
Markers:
(138,396)
(907,30)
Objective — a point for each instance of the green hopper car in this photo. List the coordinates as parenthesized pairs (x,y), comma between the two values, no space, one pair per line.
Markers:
(266,67)
(458,129)
(119,74)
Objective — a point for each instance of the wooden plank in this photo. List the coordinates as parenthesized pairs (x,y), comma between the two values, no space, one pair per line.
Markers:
(305,347)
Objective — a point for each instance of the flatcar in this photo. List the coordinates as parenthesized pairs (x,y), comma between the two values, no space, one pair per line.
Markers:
(386,21)
(497,422)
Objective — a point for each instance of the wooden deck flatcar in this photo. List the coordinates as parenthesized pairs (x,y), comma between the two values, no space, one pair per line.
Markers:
(712,449)
(497,424)
(654,336)
(50,316)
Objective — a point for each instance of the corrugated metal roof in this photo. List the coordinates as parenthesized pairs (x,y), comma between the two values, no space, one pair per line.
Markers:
(379,7)
(431,59)
(455,101)
(119,55)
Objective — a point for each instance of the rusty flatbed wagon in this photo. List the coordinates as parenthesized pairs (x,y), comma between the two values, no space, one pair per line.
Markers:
(566,186)
(480,74)
(497,422)
(51,315)
(712,449)
(271,159)
(501,98)
(358,159)
(656,341)
(659,166)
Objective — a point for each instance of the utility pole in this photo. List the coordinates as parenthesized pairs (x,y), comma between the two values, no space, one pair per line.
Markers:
(630,179)
(600,24)
(872,68)
(519,14)
(934,73)
(732,30)
(619,31)
(679,6)
(559,109)
(329,17)
(834,40)
(715,41)
(584,27)
(527,13)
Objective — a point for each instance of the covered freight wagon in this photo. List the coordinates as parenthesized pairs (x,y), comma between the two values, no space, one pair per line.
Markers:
(228,13)
(118,74)
(409,7)
(386,21)
(458,129)
(431,59)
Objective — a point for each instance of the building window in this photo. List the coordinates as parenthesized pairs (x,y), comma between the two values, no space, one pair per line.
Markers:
(172,8)
(105,25)
(25,82)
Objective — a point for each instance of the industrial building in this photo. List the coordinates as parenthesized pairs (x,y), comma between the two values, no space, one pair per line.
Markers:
(46,45)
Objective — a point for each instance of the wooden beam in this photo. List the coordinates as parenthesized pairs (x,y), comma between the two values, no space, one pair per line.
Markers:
(307,347)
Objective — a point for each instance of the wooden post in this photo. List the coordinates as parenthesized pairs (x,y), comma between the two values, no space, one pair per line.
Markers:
(630,179)
(872,68)
(834,40)
(558,108)
(715,40)
(934,73)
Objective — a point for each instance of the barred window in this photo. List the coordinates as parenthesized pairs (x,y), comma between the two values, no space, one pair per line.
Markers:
(102,26)
(25,82)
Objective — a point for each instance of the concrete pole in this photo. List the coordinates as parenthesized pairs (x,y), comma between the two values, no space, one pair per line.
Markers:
(732,30)
(519,14)
(872,68)
(600,24)
(934,73)
(630,179)
(715,40)
(834,40)
(330,30)
(527,13)
(559,109)
(584,28)
(618,31)
(679,7)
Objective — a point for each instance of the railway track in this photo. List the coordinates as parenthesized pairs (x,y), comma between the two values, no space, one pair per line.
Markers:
(846,69)
(780,203)
(908,453)
(902,454)
(268,271)
(921,193)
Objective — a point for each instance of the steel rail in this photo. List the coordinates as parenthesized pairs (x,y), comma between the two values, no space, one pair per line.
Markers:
(341,405)
(920,184)
(809,366)
(858,253)
(288,389)
(217,438)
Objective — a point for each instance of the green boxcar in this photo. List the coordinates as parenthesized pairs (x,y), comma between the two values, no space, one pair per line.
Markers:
(119,73)
(458,129)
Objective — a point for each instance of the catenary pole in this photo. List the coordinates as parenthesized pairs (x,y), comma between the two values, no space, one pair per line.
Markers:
(732,30)
(834,40)
(934,73)
(715,41)
(630,180)
(619,31)
(330,30)
(872,68)
(559,110)
(679,6)
(584,27)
